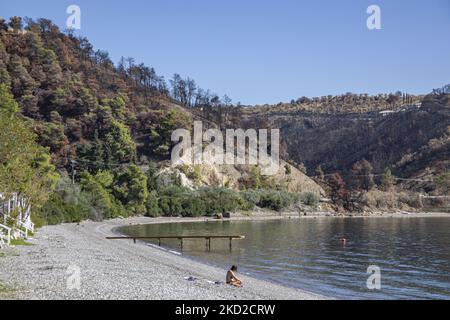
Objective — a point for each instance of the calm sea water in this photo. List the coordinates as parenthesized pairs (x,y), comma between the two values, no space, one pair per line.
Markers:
(412,253)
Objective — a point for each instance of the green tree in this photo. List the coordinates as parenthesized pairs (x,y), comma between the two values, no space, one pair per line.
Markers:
(8,106)
(42,163)
(92,156)
(52,136)
(152,205)
(117,106)
(130,187)
(5,78)
(255,177)
(161,132)
(152,178)
(22,83)
(99,188)
(25,166)
(119,144)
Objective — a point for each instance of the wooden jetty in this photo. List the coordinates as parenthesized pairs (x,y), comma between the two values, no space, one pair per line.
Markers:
(181,238)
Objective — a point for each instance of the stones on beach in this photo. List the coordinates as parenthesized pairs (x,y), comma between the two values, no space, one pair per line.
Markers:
(190,278)
(218,216)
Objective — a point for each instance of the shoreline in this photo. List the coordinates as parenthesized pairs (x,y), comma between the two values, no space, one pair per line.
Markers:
(111,269)
(123,270)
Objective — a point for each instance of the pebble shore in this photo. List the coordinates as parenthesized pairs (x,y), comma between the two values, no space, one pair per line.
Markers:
(118,269)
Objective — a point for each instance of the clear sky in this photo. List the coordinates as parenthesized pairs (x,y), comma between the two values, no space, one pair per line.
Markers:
(259,51)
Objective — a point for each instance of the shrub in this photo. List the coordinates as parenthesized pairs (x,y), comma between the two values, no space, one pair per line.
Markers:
(104,204)
(192,172)
(195,175)
(252,196)
(310,199)
(170,206)
(67,204)
(152,205)
(220,200)
(271,199)
(193,206)
(379,199)
(171,199)
(411,199)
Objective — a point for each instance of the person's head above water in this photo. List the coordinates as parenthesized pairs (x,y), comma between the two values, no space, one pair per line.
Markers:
(233,267)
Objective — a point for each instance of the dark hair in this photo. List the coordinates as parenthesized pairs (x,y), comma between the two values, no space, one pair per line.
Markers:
(233,267)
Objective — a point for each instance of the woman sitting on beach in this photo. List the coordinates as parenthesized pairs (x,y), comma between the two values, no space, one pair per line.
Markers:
(231,277)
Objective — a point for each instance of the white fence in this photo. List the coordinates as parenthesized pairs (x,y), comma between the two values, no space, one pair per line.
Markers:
(15,213)
(5,235)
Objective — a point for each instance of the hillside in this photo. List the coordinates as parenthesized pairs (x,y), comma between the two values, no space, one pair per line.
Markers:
(108,131)
(78,99)
(408,139)
(108,128)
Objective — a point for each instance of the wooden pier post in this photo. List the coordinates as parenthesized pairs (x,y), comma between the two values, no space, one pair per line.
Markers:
(181,238)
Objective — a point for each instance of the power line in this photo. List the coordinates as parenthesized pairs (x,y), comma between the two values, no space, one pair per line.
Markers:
(375,175)
(74,162)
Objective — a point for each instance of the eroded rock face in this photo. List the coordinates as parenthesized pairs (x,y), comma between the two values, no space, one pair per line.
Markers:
(235,177)
(167,176)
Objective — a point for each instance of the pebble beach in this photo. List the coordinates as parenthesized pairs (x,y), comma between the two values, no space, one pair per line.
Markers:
(118,269)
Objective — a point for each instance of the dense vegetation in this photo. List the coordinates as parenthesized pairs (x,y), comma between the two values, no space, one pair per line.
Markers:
(83,106)
(24,165)
(80,134)
(101,124)
(130,192)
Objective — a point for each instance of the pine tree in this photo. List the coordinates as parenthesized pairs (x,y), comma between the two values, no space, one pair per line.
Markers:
(8,106)
(152,179)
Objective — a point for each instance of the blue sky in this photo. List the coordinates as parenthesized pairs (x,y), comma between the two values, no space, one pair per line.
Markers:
(260,51)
